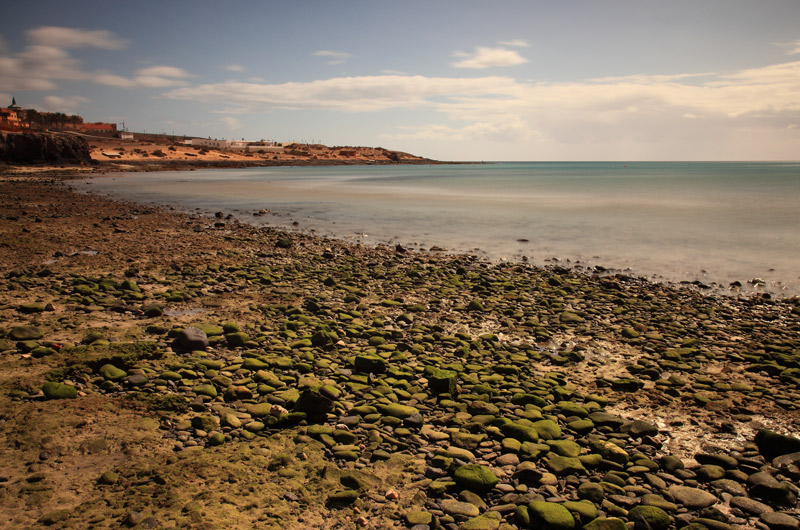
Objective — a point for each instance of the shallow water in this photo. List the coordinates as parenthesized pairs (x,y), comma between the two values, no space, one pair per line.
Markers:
(711,222)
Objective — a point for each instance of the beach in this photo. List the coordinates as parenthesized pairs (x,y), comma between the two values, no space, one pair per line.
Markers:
(163,369)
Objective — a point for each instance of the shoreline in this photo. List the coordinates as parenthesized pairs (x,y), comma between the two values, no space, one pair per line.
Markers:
(741,285)
(370,375)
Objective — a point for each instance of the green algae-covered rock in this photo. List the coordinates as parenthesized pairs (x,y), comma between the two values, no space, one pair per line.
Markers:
(237,340)
(441,381)
(650,517)
(564,465)
(205,423)
(343,498)
(111,372)
(216,438)
(610,451)
(487,521)
(605,523)
(251,363)
(547,429)
(205,390)
(25,333)
(370,364)
(550,515)
(475,477)
(591,491)
(564,447)
(396,410)
(416,517)
(585,510)
(520,431)
(53,390)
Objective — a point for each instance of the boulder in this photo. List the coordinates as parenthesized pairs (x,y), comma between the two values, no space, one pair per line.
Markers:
(550,515)
(772,444)
(475,477)
(191,338)
(53,390)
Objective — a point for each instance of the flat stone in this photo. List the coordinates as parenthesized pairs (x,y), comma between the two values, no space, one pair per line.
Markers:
(779,521)
(465,509)
(751,506)
(692,498)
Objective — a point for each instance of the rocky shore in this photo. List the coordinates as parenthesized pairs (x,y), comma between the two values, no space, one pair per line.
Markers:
(159,370)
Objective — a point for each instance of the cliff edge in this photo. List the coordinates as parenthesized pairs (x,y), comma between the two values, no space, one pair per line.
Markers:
(43,148)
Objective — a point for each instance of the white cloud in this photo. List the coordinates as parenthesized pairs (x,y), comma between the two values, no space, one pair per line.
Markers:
(164,71)
(514,43)
(235,68)
(794,48)
(61,37)
(232,123)
(65,104)
(354,94)
(624,117)
(489,58)
(334,57)
(40,65)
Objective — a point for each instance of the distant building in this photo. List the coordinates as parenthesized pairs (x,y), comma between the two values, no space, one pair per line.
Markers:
(99,127)
(208,142)
(126,136)
(12,118)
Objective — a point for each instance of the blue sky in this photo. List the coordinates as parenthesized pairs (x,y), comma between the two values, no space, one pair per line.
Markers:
(447,79)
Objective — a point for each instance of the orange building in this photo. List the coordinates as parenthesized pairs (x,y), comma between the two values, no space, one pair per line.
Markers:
(99,127)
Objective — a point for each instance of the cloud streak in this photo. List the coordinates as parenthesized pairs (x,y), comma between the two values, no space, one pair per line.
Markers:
(59,37)
(484,57)
(334,57)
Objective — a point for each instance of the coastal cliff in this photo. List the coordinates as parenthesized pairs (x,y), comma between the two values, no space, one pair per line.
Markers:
(43,148)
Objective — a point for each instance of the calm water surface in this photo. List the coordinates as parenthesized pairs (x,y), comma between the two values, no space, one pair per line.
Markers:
(712,222)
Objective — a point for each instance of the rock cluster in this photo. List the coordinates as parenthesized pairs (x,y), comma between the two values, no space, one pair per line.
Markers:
(531,398)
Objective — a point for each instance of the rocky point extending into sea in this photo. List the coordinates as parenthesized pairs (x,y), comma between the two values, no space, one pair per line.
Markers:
(162,370)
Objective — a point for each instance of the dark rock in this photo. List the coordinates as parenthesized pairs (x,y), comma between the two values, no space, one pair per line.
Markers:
(767,488)
(313,403)
(772,444)
(192,338)
(43,148)
(23,333)
(639,429)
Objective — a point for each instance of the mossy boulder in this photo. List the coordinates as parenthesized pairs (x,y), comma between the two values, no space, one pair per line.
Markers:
(606,523)
(475,477)
(205,390)
(371,364)
(550,515)
(53,390)
(396,410)
(520,431)
(649,518)
(21,333)
(441,381)
(487,521)
(238,339)
(112,373)
(206,423)
(610,451)
(547,429)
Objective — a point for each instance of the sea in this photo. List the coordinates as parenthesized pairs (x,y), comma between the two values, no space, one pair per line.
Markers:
(707,224)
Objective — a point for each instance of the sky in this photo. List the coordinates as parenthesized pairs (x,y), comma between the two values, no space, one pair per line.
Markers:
(446,79)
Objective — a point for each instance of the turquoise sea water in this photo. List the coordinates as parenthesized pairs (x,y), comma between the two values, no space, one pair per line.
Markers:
(677,221)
